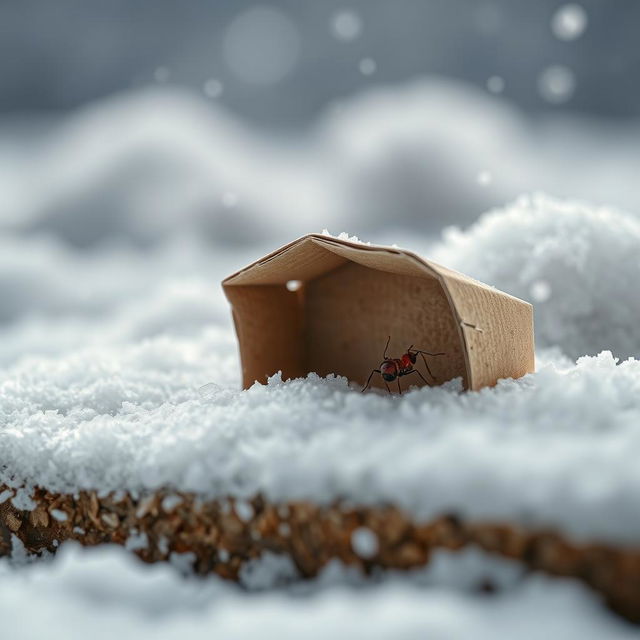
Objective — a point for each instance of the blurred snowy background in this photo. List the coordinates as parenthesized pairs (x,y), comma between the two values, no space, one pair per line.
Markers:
(123,122)
(147,150)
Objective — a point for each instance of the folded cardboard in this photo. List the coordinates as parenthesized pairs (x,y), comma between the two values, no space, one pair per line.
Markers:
(349,297)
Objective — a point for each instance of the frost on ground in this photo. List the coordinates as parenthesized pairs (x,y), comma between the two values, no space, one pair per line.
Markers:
(107,593)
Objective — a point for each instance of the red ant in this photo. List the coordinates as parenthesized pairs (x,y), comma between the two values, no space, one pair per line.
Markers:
(394,368)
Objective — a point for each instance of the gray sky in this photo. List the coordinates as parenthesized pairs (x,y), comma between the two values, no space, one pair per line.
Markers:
(282,63)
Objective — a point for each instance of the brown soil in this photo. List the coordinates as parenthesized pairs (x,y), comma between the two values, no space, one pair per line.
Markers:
(223,537)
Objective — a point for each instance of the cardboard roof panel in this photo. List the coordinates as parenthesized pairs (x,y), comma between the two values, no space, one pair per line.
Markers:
(380,258)
(301,260)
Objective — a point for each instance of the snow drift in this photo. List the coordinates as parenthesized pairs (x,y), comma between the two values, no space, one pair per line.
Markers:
(553,449)
(105,592)
(117,393)
(147,165)
(112,318)
(579,265)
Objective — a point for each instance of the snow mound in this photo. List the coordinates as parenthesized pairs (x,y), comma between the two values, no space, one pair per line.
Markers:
(556,448)
(579,265)
(106,592)
(147,165)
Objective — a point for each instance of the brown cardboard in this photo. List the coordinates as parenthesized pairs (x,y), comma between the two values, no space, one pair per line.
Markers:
(353,296)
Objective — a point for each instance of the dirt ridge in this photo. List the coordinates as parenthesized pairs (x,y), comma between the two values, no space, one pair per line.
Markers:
(223,534)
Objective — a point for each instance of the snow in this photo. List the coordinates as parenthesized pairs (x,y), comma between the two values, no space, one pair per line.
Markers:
(106,593)
(346,25)
(124,432)
(557,84)
(244,510)
(119,367)
(162,74)
(152,165)
(22,501)
(59,515)
(364,542)
(213,88)
(495,84)
(261,45)
(580,264)
(169,503)
(569,22)
(367,66)
(114,388)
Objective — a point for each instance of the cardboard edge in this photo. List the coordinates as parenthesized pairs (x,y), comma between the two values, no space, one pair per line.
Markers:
(432,266)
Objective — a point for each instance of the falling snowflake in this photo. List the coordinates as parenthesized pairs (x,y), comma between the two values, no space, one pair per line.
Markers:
(213,88)
(346,25)
(161,74)
(557,84)
(367,66)
(484,178)
(540,291)
(569,22)
(495,84)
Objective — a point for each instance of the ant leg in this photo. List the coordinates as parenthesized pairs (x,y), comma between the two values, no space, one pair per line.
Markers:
(386,385)
(423,353)
(426,365)
(418,372)
(384,356)
(369,380)
(399,389)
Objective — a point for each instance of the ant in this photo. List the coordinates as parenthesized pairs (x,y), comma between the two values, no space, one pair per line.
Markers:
(394,368)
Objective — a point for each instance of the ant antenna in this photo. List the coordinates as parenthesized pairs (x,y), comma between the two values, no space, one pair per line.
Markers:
(384,357)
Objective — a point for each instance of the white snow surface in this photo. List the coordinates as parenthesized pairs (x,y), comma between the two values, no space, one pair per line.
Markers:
(107,593)
(117,224)
(555,448)
(585,260)
(105,395)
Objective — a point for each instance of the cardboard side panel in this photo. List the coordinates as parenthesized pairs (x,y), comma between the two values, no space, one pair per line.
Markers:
(498,331)
(350,312)
(268,323)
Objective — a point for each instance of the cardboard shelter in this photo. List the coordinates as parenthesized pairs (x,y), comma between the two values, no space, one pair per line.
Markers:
(349,297)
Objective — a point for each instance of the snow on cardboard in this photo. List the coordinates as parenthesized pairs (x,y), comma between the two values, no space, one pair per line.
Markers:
(327,305)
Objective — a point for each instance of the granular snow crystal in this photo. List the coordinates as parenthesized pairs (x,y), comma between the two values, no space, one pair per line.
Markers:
(579,265)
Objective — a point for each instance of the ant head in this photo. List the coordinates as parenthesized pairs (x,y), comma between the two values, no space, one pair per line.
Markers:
(412,356)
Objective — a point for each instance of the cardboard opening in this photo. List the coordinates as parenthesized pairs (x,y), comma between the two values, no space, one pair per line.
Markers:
(348,336)
(326,305)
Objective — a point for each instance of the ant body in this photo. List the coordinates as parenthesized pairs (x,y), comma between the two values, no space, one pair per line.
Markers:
(394,368)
